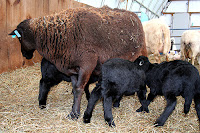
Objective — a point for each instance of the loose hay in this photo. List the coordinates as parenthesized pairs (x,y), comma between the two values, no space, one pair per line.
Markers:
(19,111)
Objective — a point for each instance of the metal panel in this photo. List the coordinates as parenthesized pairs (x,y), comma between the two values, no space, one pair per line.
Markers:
(180,24)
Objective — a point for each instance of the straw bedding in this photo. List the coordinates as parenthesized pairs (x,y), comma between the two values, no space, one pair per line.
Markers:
(19,111)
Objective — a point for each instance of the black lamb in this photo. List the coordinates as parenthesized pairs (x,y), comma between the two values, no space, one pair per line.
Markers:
(51,76)
(172,79)
(118,77)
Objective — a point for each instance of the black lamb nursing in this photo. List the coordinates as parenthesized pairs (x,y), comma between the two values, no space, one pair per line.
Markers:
(118,77)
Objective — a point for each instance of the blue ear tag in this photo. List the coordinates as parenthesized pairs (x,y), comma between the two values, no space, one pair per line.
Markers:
(13,36)
(17,33)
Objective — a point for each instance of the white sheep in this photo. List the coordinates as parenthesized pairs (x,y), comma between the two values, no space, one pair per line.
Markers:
(157,37)
(190,45)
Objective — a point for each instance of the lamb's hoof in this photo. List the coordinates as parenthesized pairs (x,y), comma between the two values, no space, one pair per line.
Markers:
(112,124)
(73,116)
(142,109)
(42,106)
(116,105)
(158,124)
(86,118)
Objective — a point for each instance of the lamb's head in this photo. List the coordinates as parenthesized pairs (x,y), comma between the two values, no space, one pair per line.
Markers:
(142,62)
(26,37)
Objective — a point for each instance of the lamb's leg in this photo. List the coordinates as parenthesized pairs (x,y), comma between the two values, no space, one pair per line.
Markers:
(117,101)
(150,98)
(171,103)
(197,105)
(43,93)
(95,96)
(107,105)
(87,92)
(188,101)
(142,97)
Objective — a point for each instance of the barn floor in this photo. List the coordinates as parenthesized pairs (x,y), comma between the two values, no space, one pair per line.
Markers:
(19,111)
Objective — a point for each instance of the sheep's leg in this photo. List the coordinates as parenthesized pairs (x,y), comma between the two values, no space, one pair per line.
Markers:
(107,105)
(84,74)
(43,93)
(150,98)
(193,59)
(117,101)
(86,89)
(197,105)
(166,54)
(198,58)
(78,90)
(142,97)
(156,56)
(73,80)
(95,96)
(183,52)
(171,103)
(167,57)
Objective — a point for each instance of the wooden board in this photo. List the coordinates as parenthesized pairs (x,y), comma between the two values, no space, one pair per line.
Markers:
(3,38)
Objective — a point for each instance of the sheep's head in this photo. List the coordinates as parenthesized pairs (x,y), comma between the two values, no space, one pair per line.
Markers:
(26,38)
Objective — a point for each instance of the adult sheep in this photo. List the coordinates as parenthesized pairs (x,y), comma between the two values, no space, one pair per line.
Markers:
(77,41)
(190,45)
(157,37)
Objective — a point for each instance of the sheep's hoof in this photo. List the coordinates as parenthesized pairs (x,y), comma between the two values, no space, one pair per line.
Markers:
(73,116)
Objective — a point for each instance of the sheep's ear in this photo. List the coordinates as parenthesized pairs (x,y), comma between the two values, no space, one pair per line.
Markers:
(141,63)
(15,33)
(12,33)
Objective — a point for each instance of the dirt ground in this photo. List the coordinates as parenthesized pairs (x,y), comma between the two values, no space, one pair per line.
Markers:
(19,111)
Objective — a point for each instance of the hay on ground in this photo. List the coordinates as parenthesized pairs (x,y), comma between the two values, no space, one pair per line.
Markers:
(19,111)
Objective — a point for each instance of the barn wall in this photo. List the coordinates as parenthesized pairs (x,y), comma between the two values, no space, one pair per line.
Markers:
(12,12)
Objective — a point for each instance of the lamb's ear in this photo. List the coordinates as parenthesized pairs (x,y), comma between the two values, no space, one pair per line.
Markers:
(141,63)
